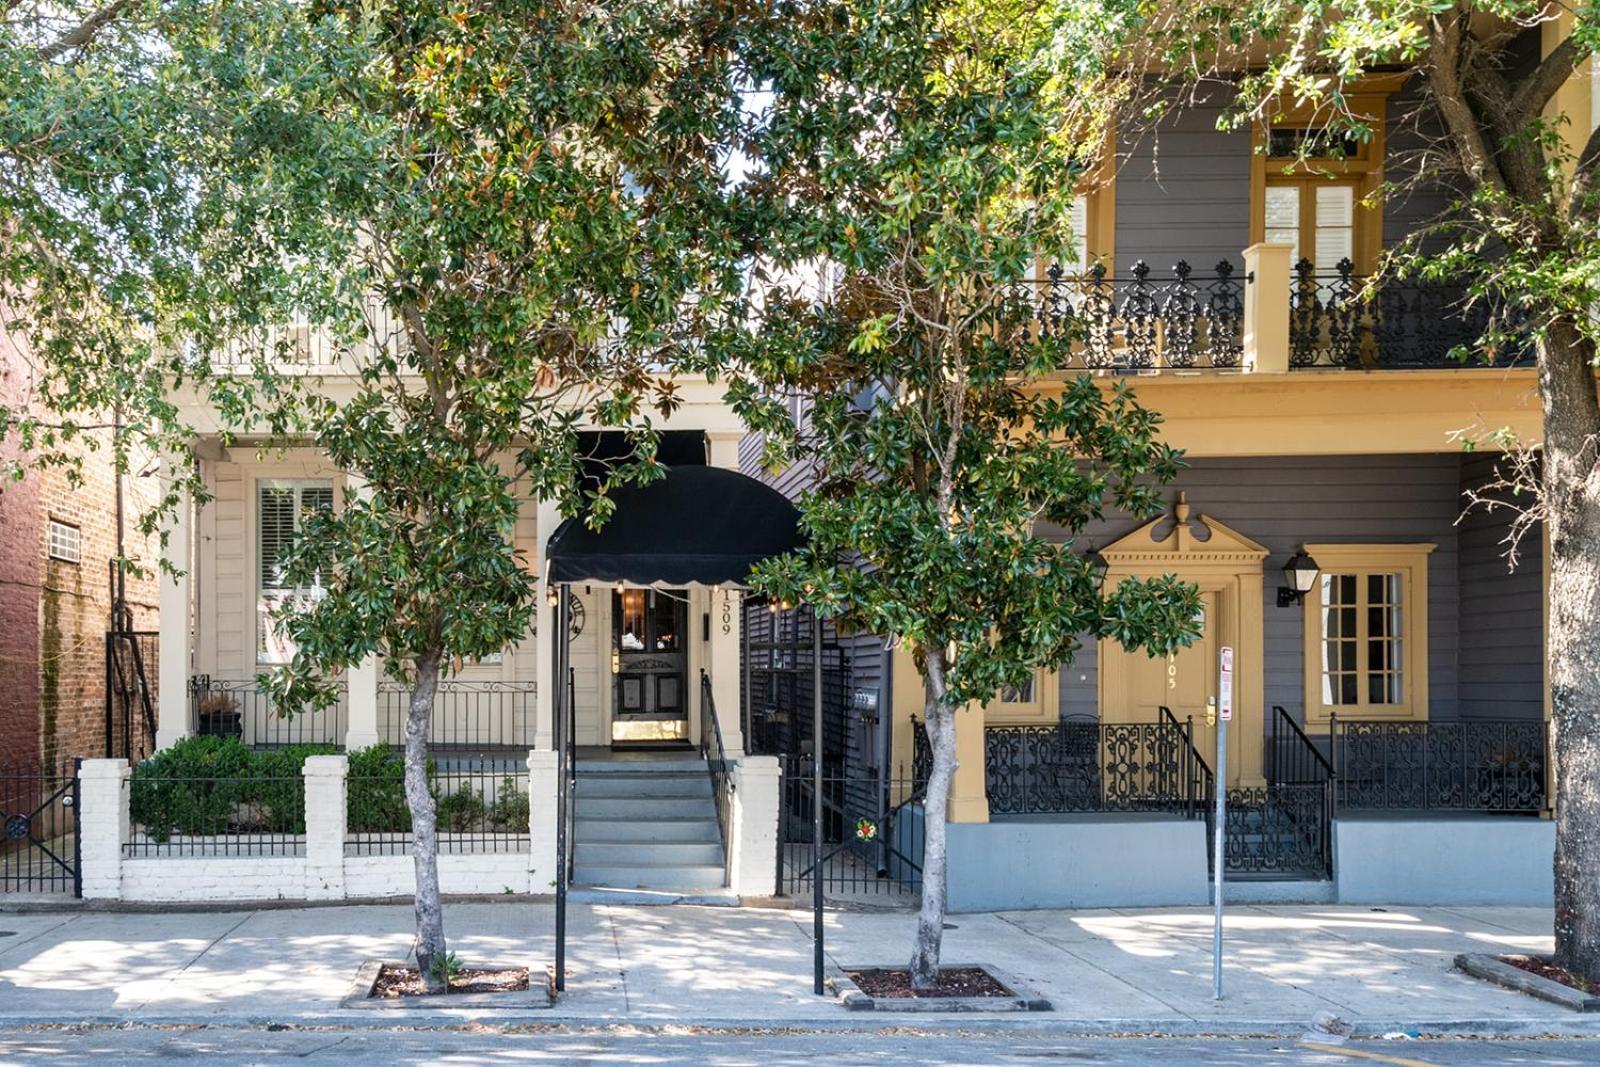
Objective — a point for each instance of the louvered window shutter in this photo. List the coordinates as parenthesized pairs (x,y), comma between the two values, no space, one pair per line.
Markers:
(281,510)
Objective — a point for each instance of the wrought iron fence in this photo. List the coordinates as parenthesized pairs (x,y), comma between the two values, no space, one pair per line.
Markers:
(778,706)
(1138,322)
(481,805)
(39,831)
(130,693)
(222,816)
(1335,322)
(1090,767)
(1482,765)
(258,718)
(466,714)
(872,833)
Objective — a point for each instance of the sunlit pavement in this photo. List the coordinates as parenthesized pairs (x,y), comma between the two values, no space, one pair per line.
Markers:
(1386,970)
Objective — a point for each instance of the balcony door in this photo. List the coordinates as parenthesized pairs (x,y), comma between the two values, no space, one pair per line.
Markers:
(649,662)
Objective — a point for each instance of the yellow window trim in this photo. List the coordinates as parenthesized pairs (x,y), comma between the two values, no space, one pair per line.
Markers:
(1098,187)
(1364,171)
(1411,562)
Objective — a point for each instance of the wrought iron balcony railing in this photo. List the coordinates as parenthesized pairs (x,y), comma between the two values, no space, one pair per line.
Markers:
(1090,767)
(256,716)
(1334,321)
(466,714)
(1139,322)
(1468,765)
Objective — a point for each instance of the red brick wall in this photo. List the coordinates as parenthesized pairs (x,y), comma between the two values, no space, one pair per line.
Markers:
(54,614)
(75,606)
(19,590)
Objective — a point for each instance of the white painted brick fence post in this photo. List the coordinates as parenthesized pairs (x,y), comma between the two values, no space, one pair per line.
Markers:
(325,781)
(543,781)
(103,826)
(752,867)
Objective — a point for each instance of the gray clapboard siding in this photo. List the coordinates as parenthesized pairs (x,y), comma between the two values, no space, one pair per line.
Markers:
(1183,192)
(1502,612)
(1283,502)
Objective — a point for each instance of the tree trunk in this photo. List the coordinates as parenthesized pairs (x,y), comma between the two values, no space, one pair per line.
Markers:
(940,718)
(1572,510)
(430,945)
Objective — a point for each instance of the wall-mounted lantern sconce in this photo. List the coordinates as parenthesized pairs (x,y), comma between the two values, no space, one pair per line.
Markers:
(1301,573)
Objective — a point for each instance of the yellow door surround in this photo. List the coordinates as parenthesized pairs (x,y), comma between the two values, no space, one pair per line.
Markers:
(1227,566)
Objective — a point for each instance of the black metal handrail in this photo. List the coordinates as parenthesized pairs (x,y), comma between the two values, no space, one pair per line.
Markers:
(1137,322)
(571,744)
(717,763)
(1088,767)
(1292,757)
(1470,765)
(1200,780)
(1339,319)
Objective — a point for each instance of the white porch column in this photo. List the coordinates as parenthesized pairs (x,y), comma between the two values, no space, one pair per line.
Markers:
(753,844)
(727,626)
(544,647)
(361,730)
(543,781)
(174,657)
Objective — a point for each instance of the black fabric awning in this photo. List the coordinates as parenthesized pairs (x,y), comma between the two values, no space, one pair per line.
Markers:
(697,525)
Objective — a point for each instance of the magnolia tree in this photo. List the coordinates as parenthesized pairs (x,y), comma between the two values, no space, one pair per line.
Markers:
(912,151)
(1520,232)
(499,221)
(539,222)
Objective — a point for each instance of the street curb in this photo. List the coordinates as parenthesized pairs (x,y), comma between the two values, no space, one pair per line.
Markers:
(1494,969)
(335,1019)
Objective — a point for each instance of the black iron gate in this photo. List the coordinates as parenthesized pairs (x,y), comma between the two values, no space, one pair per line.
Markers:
(39,832)
(872,834)
(778,682)
(131,666)
(1285,828)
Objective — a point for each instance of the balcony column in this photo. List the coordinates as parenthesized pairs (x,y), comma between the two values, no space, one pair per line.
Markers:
(174,658)
(727,628)
(361,680)
(544,632)
(969,791)
(1267,295)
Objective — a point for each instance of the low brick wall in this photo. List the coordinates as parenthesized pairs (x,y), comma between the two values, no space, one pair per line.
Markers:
(317,866)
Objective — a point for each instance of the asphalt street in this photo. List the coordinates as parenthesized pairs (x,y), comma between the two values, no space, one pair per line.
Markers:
(73,1046)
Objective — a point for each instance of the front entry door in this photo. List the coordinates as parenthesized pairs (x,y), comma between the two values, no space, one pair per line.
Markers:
(649,660)
(1183,682)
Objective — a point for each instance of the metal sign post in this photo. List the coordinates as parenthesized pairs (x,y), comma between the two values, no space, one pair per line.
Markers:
(818,958)
(1219,859)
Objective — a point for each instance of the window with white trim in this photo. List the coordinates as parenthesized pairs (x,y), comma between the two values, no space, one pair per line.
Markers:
(64,542)
(281,511)
(1367,632)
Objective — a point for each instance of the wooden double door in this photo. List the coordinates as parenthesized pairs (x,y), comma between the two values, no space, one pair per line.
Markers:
(650,701)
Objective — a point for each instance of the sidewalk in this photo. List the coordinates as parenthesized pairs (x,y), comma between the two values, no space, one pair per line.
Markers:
(1141,970)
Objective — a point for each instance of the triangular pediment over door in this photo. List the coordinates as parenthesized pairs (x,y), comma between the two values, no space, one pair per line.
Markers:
(1227,566)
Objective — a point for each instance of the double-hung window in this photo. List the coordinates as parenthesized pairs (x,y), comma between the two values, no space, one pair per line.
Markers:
(1366,621)
(281,511)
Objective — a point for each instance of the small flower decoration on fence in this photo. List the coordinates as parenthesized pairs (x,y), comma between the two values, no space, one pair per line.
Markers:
(866,830)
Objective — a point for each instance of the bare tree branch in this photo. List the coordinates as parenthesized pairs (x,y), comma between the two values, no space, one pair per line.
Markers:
(1546,80)
(83,32)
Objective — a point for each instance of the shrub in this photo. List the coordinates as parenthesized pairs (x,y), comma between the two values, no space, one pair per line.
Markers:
(376,794)
(216,785)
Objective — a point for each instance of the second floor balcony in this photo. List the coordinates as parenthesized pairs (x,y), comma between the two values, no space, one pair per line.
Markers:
(1264,314)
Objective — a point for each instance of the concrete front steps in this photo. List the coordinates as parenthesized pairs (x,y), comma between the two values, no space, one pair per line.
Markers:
(647,824)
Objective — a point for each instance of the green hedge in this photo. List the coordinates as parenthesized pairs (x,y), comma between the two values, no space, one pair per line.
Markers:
(217,785)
